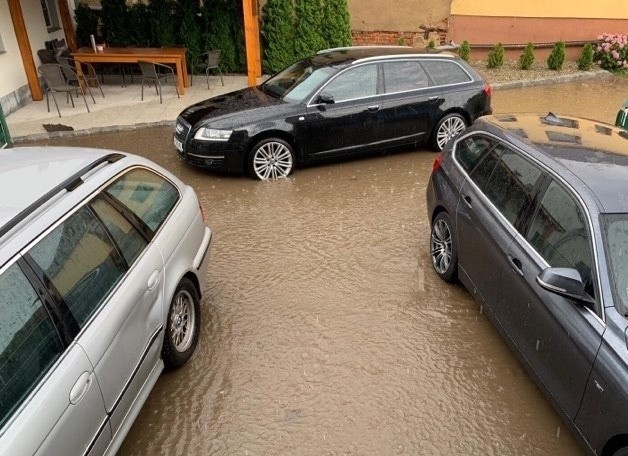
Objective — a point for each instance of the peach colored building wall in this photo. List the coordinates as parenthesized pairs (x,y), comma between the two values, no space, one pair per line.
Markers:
(513,22)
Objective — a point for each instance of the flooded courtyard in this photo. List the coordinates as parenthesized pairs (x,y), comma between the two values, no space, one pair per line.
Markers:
(325,330)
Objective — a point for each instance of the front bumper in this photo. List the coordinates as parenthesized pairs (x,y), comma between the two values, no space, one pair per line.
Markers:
(224,156)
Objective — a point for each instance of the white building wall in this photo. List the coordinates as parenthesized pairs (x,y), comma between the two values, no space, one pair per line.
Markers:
(12,74)
(13,81)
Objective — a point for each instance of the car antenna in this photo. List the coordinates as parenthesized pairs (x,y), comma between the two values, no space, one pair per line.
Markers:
(553,118)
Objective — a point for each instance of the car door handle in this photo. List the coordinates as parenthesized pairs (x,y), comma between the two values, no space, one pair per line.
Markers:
(80,388)
(467,201)
(373,108)
(516,264)
(153,281)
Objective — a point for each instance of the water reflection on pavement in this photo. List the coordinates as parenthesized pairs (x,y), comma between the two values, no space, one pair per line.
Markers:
(325,331)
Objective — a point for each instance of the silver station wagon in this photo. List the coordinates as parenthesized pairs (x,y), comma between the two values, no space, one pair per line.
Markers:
(103,257)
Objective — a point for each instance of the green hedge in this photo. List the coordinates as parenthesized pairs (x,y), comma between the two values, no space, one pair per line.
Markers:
(291,29)
(294,29)
(216,24)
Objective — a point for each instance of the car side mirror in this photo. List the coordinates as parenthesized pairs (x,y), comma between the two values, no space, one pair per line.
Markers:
(564,282)
(325,98)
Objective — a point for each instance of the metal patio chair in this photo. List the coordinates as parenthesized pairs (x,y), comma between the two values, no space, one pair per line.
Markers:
(87,73)
(209,61)
(55,80)
(156,73)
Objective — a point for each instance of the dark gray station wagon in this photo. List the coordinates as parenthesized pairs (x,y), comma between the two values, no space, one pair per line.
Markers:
(530,213)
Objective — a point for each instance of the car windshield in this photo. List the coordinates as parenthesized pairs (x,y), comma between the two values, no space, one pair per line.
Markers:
(616,243)
(298,81)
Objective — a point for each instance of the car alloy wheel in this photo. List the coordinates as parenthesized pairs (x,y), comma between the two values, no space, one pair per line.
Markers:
(443,248)
(449,127)
(272,159)
(182,321)
(183,325)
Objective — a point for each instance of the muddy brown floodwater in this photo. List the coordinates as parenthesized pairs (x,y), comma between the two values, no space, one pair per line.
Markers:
(325,330)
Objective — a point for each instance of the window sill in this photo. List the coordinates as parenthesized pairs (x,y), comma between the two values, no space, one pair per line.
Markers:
(53,29)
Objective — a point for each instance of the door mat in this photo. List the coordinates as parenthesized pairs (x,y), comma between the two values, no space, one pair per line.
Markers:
(58,127)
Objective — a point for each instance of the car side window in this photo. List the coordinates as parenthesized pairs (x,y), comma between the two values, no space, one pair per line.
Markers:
(444,72)
(558,233)
(80,262)
(149,196)
(470,150)
(404,76)
(487,164)
(511,185)
(128,239)
(360,82)
(29,343)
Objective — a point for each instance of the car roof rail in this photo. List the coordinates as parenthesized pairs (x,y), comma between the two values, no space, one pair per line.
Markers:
(351,48)
(69,184)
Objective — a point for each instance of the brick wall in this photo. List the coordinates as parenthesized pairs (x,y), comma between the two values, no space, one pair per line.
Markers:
(388,38)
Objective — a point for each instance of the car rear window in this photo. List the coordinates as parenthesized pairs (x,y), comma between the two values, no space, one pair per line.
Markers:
(511,185)
(29,344)
(404,76)
(80,262)
(149,196)
(445,73)
(470,150)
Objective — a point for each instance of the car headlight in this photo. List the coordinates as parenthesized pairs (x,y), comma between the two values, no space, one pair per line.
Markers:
(212,134)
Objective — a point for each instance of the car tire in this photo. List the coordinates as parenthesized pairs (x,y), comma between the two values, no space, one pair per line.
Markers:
(443,248)
(621,452)
(183,325)
(271,158)
(447,128)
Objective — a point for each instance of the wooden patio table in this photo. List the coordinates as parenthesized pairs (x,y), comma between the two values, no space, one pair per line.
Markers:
(174,56)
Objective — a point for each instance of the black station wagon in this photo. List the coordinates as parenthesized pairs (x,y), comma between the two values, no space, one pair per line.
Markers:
(530,213)
(337,103)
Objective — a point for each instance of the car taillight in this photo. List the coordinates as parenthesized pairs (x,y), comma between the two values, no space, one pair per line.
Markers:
(437,162)
(488,90)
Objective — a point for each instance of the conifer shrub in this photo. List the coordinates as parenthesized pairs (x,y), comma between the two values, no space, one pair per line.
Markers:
(309,31)
(278,34)
(431,44)
(557,58)
(86,24)
(336,26)
(464,51)
(496,57)
(585,62)
(527,58)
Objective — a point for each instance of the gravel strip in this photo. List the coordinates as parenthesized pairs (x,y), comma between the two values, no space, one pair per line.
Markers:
(511,76)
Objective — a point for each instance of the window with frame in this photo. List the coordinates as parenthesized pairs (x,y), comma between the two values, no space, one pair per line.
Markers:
(126,236)
(404,76)
(558,232)
(360,82)
(444,72)
(29,343)
(80,262)
(49,10)
(149,196)
(511,184)
(472,149)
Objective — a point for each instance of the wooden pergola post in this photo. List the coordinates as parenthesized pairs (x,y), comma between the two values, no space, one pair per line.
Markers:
(15,10)
(68,26)
(251,39)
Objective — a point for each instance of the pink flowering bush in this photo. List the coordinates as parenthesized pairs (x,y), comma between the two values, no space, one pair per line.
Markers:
(612,52)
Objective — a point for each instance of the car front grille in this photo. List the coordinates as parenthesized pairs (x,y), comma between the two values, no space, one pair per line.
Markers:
(181,132)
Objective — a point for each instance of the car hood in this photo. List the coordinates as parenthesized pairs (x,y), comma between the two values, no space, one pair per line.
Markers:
(247,104)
